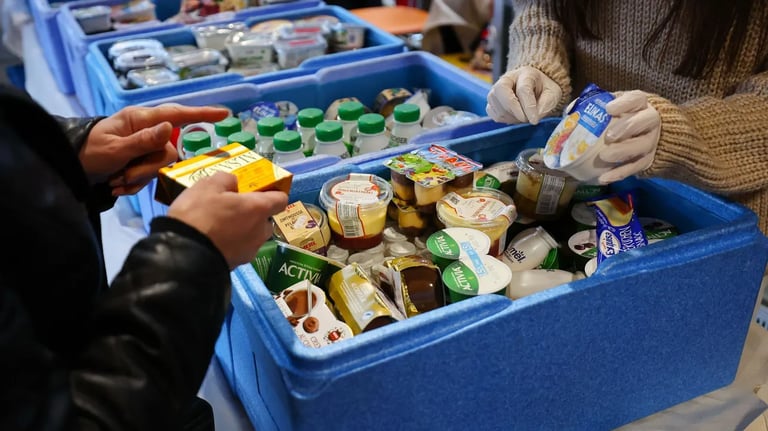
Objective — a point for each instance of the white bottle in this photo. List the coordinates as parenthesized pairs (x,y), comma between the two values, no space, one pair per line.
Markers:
(193,141)
(244,138)
(328,139)
(528,249)
(194,127)
(307,119)
(370,134)
(268,127)
(349,113)
(287,147)
(530,281)
(224,128)
(406,124)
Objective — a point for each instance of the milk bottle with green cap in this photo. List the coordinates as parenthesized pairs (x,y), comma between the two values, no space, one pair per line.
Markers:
(406,124)
(328,139)
(308,119)
(370,136)
(267,128)
(194,141)
(224,128)
(246,139)
(287,147)
(349,113)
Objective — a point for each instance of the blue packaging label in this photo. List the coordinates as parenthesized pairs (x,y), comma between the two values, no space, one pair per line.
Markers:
(580,129)
(618,227)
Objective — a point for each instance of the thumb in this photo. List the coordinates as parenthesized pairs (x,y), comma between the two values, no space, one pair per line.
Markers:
(219,182)
(148,140)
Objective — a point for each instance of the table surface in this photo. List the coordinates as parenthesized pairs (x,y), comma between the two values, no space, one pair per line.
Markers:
(729,408)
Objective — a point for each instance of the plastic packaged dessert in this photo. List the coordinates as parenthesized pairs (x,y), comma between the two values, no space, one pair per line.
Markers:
(93,19)
(140,59)
(214,36)
(305,307)
(577,140)
(487,210)
(357,209)
(422,177)
(132,45)
(442,116)
(291,53)
(618,228)
(541,193)
(134,11)
(413,284)
(347,36)
(410,220)
(139,78)
(303,225)
(361,304)
(475,275)
(271,27)
(450,244)
(583,245)
(194,59)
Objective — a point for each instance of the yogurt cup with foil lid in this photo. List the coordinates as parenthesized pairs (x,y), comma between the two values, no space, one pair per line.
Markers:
(132,45)
(574,145)
(450,244)
(140,78)
(583,245)
(474,275)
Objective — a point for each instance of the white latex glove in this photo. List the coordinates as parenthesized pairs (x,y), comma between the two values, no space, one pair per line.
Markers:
(522,95)
(631,137)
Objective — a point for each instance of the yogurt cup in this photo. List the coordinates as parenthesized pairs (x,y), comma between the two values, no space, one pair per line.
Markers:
(357,209)
(487,210)
(541,193)
(475,275)
(449,245)
(583,245)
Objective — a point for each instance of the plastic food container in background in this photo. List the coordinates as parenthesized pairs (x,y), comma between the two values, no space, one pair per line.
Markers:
(487,210)
(94,19)
(357,209)
(541,193)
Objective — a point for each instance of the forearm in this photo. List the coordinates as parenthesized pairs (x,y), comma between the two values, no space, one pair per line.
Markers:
(538,40)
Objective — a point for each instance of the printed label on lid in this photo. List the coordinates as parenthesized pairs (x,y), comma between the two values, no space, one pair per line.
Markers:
(479,208)
(358,189)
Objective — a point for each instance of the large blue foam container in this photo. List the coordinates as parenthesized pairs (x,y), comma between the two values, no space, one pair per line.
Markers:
(75,42)
(653,327)
(108,96)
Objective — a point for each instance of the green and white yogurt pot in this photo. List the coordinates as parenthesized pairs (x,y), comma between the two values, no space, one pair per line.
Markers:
(450,244)
(475,275)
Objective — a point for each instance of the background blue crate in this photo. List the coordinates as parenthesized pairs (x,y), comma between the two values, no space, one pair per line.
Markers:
(108,96)
(75,42)
(653,327)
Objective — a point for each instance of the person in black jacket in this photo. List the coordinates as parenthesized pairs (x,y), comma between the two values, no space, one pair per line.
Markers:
(75,352)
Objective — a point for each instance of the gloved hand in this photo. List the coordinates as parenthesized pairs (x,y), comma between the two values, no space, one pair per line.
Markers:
(522,95)
(631,137)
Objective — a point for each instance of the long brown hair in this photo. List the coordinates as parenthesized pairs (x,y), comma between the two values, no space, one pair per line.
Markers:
(712,26)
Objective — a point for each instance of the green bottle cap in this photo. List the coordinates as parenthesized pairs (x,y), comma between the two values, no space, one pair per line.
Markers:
(228,126)
(329,131)
(268,126)
(246,139)
(370,124)
(407,113)
(193,141)
(310,117)
(351,111)
(204,150)
(287,140)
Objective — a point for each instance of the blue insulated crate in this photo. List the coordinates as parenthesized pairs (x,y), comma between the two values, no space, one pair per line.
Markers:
(108,96)
(653,327)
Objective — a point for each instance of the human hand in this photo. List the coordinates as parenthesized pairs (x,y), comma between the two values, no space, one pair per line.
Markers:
(632,136)
(130,146)
(522,95)
(237,223)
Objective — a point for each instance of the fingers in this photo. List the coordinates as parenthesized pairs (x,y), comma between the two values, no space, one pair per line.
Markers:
(626,170)
(630,101)
(218,182)
(550,96)
(177,115)
(627,126)
(271,202)
(526,89)
(507,112)
(143,169)
(628,149)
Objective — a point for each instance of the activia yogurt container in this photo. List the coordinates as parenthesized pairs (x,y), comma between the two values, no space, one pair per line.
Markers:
(356,205)
(450,244)
(487,210)
(474,275)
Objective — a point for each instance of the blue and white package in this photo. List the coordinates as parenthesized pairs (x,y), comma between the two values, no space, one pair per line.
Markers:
(618,227)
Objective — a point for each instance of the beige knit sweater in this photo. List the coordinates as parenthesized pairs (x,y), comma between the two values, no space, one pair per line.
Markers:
(714,132)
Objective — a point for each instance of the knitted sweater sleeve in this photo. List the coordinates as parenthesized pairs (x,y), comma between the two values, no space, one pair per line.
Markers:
(538,40)
(719,145)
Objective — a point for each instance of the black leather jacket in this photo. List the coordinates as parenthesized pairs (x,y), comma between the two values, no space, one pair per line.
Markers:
(76,353)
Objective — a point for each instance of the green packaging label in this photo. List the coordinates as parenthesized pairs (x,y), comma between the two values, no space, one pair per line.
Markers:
(263,259)
(292,264)
(460,278)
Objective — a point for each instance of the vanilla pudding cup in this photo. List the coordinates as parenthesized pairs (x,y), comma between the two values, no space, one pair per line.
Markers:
(356,205)
(487,210)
